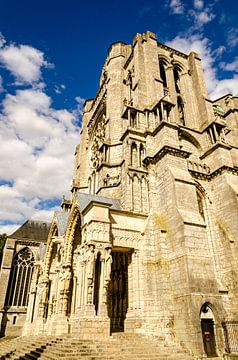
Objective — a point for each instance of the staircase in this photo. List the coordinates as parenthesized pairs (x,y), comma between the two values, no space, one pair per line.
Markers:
(118,347)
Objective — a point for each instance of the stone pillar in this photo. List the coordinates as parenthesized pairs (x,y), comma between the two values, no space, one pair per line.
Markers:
(106,263)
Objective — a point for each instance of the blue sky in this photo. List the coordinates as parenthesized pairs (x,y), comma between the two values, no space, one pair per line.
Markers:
(51,55)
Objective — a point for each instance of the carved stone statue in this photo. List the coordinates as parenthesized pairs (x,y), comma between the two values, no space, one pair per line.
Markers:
(108,264)
(91,262)
(65,278)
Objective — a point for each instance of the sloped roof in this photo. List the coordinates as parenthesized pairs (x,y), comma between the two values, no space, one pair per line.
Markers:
(62,220)
(85,199)
(32,230)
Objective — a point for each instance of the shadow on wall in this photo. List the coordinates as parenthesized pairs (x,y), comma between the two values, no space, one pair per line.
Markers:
(4,323)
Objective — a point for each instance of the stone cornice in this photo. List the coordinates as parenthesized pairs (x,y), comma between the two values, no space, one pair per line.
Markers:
(29,242)
(164,151)
(132,131)
(214,147)
(221,170)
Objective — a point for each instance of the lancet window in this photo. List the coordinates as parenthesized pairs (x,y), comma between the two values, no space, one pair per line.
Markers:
(134,158)
(163,73)
(141,155)
(20,278)
(180,105)
(176,80)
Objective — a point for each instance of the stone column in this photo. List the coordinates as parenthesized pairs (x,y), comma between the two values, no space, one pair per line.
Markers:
(106,263)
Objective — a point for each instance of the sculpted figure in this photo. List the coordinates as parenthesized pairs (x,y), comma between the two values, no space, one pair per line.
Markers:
(91,262)
(108,264)
(65,277)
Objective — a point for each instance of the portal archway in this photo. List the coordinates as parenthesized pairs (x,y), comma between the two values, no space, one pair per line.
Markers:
(208,330)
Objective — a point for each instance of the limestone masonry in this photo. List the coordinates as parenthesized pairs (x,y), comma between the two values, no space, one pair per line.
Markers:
(147,244)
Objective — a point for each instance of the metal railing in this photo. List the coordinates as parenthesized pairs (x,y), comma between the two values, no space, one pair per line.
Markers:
(231,335)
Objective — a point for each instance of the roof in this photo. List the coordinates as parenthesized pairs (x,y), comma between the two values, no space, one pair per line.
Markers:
(85,199)
(62,220)
(33,230)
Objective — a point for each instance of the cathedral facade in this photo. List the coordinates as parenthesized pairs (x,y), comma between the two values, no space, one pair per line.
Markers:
(148,241)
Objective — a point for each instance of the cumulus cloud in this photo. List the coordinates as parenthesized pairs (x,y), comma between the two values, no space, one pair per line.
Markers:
(216,87)
(24,62)
(176,7)
(37,142)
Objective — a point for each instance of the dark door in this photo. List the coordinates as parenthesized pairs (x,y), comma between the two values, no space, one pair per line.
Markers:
(208,337)
(118,291)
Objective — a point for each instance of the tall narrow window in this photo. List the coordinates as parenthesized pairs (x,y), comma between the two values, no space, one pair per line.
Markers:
(180,105)
(97,283)
(134,158)
(176,80)
(141,155)
(162,73)
(20,278)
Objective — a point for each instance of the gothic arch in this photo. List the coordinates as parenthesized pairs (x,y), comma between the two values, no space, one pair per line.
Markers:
(177,65)
(208,327)
(162,69)
(73,223)
(47,258)
(183,134)
(134,154)
(164,59)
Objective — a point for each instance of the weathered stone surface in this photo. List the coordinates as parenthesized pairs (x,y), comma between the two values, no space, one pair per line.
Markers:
(146,245)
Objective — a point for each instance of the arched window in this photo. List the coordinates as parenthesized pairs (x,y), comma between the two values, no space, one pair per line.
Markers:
(141,154)
(134,159)
(176,80)
(180,105)
(20,278)
(162,73)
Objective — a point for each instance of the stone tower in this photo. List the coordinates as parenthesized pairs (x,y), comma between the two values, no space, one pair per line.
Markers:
(147,242)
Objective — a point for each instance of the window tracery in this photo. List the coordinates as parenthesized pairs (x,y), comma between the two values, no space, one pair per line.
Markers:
(20,278)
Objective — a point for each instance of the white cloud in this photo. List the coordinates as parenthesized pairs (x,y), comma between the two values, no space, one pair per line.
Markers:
(204,17)
(176,6)
(2,40)
(198,4)
(8,229)
(37,142)
(24,62)
(225,86)
(233,66)
(1,84)
(79,109)
(42,142)
(202,46)
(232,38)
(58,89)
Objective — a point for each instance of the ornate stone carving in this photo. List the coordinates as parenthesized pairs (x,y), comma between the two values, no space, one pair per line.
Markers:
(109,181)
(126,238)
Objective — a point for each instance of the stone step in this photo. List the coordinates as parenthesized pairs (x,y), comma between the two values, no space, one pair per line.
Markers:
(117,347)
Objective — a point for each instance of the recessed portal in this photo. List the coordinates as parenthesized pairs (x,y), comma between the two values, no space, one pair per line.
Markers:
(118,291)
(208,333)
